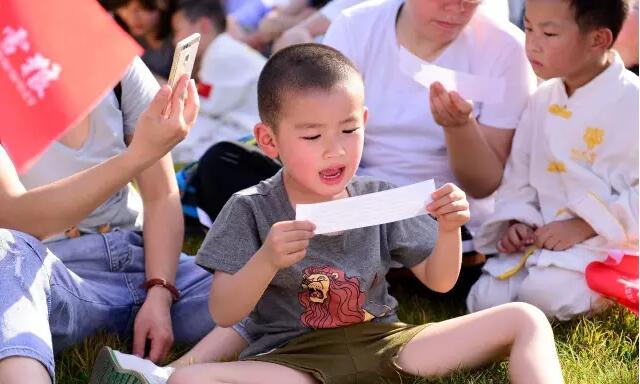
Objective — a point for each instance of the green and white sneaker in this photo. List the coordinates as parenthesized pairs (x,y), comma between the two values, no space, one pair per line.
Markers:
(113,367)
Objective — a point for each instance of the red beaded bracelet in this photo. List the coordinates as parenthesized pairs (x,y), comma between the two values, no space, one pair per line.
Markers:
(175,293)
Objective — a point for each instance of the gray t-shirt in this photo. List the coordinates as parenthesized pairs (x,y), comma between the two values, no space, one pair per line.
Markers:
(341,281)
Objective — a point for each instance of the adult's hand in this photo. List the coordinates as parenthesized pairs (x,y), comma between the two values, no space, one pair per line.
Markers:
(448,108)
(166,121)
(295,35)
(153,323)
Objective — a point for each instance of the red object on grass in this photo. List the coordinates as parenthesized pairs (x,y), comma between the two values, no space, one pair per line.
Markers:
(57,59)
(616,277)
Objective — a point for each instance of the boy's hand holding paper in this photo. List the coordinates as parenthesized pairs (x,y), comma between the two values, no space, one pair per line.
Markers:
(287,243)
(450,207)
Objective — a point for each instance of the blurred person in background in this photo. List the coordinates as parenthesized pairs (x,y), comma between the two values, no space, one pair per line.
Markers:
(149,22)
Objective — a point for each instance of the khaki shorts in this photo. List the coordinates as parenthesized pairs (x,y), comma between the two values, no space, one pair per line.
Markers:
(361,353)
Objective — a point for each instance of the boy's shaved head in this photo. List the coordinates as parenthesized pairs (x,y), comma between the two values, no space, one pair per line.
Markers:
(593,14)
(300,68)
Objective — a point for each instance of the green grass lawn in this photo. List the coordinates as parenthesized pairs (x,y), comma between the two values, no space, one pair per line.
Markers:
(601,349)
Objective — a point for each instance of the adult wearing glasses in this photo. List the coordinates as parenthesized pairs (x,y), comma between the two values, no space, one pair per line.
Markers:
(416,133)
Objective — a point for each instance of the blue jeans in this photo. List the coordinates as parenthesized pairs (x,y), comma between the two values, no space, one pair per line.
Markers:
(54,295)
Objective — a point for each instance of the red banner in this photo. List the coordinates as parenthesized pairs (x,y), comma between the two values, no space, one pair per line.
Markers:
(57,59)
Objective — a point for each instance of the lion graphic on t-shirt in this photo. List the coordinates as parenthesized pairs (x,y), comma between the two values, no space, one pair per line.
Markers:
(331,299)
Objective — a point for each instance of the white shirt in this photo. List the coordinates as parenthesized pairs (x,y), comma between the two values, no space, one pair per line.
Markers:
(403,144)
(496,8)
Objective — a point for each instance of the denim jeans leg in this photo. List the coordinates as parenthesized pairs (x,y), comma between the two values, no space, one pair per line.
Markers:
(87,295)
(25,298)
(190,315)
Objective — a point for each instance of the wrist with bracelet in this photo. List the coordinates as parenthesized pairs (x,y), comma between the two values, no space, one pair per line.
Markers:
(157,282)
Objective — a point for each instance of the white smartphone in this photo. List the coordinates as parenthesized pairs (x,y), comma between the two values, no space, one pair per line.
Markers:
(184,58)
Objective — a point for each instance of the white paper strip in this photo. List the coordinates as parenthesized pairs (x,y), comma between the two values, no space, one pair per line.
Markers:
(471,87)
(371,209)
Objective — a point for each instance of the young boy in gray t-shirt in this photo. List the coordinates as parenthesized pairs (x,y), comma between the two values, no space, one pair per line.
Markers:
(316,308)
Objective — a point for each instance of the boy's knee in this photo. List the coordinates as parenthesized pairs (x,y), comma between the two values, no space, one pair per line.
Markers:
(529,314)
(528,318)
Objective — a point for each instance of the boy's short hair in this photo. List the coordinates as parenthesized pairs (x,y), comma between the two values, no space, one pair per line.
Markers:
(592,14)
(211,9)
(299,68)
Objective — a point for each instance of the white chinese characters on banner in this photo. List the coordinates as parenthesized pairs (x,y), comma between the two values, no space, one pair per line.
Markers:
(36,73)
(14,39)
(41,72)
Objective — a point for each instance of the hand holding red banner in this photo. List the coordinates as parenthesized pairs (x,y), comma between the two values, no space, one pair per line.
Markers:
(56,60)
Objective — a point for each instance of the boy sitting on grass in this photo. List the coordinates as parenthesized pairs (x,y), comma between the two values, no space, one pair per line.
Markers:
(570,188)
(317,308)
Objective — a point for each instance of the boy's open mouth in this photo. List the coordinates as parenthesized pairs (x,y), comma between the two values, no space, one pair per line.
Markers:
(332,175)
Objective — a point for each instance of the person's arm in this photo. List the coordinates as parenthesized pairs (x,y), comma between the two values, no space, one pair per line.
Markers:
(316,24)
(439,271)
(163,235)
(477,153)
(304,32)
(163,227)
(274,24)
(233,296)
(478,148)
(55,207)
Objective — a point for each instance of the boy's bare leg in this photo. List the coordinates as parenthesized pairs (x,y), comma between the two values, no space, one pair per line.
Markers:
(221,344)
(239,372)
(15,370)
(517,330)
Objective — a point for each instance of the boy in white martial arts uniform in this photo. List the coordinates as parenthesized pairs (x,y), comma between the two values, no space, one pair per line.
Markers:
(570,189)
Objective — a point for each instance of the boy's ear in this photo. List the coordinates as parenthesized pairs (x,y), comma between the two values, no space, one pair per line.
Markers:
(266,140)
(602,38)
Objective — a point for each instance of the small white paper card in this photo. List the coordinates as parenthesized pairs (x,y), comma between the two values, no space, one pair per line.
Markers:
(370,209)
(480,89)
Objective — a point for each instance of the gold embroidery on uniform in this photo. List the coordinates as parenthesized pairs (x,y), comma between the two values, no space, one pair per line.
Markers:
(556,167)
(593,137)
(560,211)
(557,110)
(583,155)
